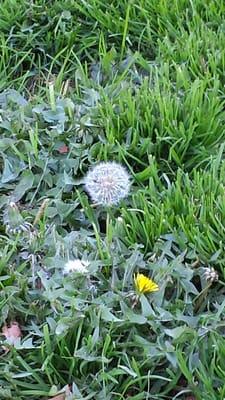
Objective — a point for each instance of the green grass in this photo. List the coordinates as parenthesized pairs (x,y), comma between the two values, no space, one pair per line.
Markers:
(141,83)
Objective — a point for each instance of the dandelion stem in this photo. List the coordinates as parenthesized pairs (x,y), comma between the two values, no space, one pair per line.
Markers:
(98,239)
(109,230)
(33,269)
(52,96)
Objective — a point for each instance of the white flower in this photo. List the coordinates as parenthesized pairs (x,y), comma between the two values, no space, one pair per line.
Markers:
(107,183)
(211,275)
(77,265)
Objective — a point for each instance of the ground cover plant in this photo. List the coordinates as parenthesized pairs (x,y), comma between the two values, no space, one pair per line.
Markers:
(114,290)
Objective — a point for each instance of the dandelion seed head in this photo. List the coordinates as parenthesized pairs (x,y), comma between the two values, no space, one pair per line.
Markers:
(211,275)
(77,265)
(107,183)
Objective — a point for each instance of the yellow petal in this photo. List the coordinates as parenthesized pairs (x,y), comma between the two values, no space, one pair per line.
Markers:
(143,284)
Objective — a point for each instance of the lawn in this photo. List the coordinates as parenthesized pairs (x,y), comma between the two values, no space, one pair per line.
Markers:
(112,292)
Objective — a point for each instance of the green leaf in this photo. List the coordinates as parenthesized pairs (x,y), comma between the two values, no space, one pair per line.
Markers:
(26,183)
(147,310)
(16,97)
(132,316)
(180,332)
(106,315)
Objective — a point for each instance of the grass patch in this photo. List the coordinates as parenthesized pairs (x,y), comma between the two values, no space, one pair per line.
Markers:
(143,85)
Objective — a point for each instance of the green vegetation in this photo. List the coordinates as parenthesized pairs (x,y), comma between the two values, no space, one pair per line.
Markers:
(140,83)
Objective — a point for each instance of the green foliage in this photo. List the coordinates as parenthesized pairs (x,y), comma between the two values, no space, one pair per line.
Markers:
(141,84)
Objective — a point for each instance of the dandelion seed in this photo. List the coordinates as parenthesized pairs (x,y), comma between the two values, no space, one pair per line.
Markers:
(107,183)
(211,275)
(78,266)
(143,284)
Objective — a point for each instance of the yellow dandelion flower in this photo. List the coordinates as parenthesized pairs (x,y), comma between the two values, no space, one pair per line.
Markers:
(143,284)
